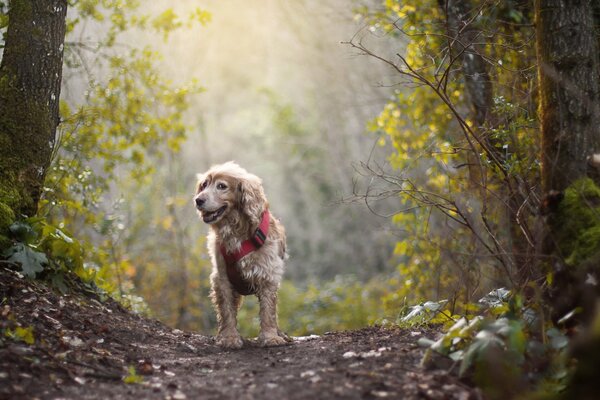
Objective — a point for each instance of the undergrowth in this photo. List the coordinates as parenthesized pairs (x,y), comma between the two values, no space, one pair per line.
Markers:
(506,346)
(40,250)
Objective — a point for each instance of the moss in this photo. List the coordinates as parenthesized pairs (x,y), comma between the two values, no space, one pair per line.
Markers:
(9,194)
(20,162)
(5,243)
(7,217)
(587,245)
(578,222)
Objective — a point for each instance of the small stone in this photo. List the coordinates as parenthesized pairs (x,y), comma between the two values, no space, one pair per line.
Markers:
(307,374)
(179,395)
(380,393)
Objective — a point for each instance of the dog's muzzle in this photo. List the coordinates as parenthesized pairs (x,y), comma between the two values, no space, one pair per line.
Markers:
(211,216)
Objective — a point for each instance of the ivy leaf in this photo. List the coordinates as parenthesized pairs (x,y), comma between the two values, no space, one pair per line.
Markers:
(31,261)
(557,339)
(58,281)
(22,232)
(495,298)
(484,342)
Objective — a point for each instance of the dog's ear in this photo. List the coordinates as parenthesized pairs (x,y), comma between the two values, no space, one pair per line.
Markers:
(252,198)
(200,178)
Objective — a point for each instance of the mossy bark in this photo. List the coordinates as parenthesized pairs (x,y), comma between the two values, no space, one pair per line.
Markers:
(569,93)
(30,79)
(569,89)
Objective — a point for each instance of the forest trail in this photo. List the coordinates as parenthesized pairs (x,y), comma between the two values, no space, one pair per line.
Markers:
(83,349)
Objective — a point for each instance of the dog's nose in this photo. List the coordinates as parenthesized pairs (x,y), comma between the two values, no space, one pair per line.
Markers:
(199,202)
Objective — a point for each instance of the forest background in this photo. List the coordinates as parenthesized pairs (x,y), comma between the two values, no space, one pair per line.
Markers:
(155,93)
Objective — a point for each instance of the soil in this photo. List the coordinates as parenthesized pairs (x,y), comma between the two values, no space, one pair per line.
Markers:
(87,349)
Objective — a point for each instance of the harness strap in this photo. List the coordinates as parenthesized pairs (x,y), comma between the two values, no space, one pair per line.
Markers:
(248,246)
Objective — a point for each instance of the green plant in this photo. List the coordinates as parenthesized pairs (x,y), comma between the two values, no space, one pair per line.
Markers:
(132,376)
(21,334)
(506,349)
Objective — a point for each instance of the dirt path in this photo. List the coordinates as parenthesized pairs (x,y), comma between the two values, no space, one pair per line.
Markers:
(83,349)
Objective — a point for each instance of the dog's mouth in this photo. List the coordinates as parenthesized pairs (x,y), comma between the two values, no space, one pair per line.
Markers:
(210,217)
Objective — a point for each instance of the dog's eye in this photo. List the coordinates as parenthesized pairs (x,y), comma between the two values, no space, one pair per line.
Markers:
(204,185)
(221,186)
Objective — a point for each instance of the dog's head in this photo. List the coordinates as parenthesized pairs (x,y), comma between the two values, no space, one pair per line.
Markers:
(228,187)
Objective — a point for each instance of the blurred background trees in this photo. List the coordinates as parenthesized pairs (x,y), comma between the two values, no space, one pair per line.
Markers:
(134,132)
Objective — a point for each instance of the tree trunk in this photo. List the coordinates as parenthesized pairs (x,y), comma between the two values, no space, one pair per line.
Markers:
(30,78)
(569,89)
(464,35)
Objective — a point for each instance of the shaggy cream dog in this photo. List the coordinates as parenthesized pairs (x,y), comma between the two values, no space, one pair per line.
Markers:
(247,249)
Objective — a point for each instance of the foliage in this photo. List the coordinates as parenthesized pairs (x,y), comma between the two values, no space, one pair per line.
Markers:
(129,120)
(579,219)
(21,334)
(506,348)
(340,304)
(46,252)
(427,312)
(132,376)
(451,170)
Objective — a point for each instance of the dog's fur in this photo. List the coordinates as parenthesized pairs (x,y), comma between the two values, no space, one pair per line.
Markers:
(232,202)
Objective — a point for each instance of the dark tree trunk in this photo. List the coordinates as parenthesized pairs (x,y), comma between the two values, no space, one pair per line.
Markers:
(30,79)
(464,37)
(569,95)
(569,92)
(569,89)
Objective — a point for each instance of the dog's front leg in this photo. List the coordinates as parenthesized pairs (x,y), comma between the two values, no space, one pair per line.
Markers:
(226,303)
(269,331)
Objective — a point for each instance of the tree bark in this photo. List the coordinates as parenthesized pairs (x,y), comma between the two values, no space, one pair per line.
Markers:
(30,79)
(463,33)
(569,89)
(463,36)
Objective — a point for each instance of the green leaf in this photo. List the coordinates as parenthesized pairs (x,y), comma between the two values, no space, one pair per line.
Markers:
(424,312)
(132,376)
(424,342)
(21,334)
(559,341)
(495,298)
(483,342)
(31,261)
(58,281)
(22,232)
(457,355)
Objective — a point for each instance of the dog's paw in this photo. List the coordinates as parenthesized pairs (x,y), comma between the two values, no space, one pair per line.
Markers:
(284,336)
(270,341)
(230,342)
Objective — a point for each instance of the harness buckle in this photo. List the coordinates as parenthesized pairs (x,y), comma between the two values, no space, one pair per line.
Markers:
(259,237)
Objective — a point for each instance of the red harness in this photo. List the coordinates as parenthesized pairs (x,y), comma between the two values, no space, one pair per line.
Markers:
(248,246)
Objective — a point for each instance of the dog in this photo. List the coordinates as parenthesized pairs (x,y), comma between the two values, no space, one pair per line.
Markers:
(247,248)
